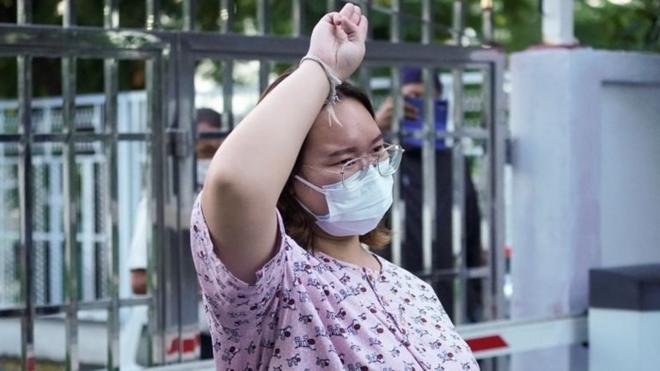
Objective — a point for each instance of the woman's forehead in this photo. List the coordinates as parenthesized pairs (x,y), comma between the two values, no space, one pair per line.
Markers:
(357,126)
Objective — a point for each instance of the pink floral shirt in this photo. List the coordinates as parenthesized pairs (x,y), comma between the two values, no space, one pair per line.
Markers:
(312,312)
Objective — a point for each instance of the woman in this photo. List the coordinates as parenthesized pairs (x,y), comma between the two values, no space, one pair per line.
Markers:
(298,291)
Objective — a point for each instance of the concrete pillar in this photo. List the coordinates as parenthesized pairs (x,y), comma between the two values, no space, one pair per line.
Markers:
(586,176)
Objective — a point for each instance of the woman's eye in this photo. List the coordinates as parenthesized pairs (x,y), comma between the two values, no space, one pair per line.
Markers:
(379,148)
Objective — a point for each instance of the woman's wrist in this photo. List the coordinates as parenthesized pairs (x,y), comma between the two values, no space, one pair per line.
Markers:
(313,66)
(333,81)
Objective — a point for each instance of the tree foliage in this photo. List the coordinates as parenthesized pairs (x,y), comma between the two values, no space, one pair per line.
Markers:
(598,23)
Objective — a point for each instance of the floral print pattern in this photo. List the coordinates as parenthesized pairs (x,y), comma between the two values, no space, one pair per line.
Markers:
(309,311)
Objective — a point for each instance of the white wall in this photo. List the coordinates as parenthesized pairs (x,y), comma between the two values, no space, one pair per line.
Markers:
(586,179)
(630,176)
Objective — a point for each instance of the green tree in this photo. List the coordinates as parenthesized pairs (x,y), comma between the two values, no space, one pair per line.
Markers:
(598,23)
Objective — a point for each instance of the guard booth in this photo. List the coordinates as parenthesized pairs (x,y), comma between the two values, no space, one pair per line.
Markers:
(88,318)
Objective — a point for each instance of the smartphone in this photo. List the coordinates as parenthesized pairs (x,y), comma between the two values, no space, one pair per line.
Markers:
(412,126)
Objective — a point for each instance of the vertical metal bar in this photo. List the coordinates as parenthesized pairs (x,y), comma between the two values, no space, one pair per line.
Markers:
(24,69)
(182,165)
(427,22)
(458,178)
(262,17)
(189,10)
(226,19)
(364,75)
(156,248)
(367,10)
(153,15)
(458,22)
(497,208)
(497,158)
(72,266)
(262,21)
(428,151)
(110,81)
(331,5)
(228,94)
(487,21)
(111,14)
(24,12)
(185,161)
(298,17)
(397,213)
(25,200)
(159,310)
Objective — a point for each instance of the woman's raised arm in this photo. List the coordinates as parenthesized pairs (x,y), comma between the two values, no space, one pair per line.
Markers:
(250,169)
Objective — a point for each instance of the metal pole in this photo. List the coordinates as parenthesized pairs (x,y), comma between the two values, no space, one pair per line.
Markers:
(227,18)
(24,67)
(497,158)
(189,9)
(72,266)
(110,80)
(153,15)
(364,75)
(298,17)
(427,22)
(557,23)
(487,21)
(262,20)
(156,238)
(458,178)
(458,22)
(367,11)
(428,151)
(397,213)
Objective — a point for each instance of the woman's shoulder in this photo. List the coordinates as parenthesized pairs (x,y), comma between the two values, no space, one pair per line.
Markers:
(396,272)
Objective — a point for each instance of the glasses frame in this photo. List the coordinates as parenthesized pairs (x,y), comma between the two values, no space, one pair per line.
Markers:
(368,159)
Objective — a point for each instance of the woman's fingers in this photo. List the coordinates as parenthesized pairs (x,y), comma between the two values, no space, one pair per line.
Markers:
(347,11)
(357,15)
(342,27)
(350,28)
(330,18)
(363,27)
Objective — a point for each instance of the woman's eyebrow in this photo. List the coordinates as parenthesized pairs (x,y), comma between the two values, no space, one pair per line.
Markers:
(354,149)
(377,139)
(343,152)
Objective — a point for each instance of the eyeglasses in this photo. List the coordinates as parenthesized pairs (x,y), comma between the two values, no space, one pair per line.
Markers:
(386,160)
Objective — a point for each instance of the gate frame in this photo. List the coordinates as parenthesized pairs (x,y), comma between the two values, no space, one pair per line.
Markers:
(171,57)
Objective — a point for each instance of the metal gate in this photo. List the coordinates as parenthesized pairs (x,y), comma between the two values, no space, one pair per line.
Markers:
(171,59)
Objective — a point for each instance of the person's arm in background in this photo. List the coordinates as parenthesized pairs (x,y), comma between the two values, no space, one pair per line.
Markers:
(385,112)
(249,171)
(137,261)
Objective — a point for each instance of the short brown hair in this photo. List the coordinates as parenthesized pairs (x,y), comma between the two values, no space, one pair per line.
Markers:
(298,223)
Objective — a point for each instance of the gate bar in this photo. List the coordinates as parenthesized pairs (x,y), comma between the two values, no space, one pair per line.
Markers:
(24,66)
(110,86)
(71,256)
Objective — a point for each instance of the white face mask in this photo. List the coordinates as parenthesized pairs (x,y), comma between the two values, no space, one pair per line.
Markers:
(202,169)
(354,211)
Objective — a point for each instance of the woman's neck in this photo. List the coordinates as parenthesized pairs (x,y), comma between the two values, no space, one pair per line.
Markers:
(347,249)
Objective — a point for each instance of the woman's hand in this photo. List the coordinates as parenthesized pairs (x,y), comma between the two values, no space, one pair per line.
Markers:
(338,40)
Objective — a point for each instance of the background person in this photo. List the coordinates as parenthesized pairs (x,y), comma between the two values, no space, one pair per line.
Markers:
(207,120)
(412,86)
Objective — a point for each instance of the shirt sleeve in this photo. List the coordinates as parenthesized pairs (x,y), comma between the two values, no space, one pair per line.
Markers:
(138,254)
(228,298)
